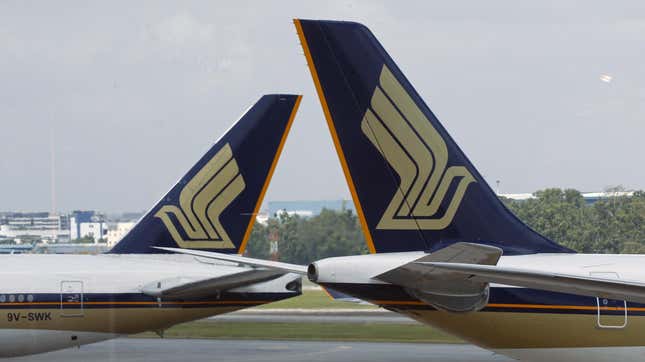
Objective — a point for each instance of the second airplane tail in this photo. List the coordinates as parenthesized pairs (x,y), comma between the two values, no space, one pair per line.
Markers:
(413,187)
(213,207)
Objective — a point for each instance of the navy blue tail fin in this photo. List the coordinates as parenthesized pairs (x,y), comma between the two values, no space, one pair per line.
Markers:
(413,187)
(213,206)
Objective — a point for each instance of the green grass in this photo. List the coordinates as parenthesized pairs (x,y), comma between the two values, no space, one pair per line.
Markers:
(368,332)
(310,299)
(313,299)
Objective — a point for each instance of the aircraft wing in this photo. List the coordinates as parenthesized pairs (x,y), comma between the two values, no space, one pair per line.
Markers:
(442,288)
(556,282)
(416,274)
(461,271)
(257,263)
(182,287)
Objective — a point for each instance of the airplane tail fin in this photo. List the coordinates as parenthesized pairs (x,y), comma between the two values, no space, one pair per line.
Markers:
(213,207)
(414,189)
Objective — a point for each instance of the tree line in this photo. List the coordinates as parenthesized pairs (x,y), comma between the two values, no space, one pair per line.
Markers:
(610,225)
(303,240)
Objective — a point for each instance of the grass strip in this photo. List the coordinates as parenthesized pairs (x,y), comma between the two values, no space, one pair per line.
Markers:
(314,299)
(364,332)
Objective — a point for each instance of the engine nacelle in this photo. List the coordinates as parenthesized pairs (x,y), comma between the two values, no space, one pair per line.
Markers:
(447,291)
(358,269)
(458,303)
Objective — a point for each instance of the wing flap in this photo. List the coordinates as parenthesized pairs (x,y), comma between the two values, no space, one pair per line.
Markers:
(556,282)
(442,288)
(418,275)
(183,287)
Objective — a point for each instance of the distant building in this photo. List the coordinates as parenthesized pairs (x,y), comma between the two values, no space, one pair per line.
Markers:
(69,248)
(116,231)
(87,224)
(124,216)
(34,226)
(262,218)
(589,197)
(518,197)
(308,208)
(16,249)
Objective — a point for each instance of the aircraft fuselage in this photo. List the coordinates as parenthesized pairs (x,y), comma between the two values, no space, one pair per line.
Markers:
(523,323)
(50,302)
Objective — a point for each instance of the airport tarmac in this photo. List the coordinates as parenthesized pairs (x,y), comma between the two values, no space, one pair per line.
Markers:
(171,350)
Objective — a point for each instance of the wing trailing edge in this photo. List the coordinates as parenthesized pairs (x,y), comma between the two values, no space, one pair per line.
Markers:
(556,282)
(446,289)
(182,287)
(256,263)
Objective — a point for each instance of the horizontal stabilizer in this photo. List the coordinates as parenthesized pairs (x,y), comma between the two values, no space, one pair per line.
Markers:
(182,287)
(555,282)
(275,265)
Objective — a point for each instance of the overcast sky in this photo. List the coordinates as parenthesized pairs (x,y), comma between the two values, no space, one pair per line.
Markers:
(538,94)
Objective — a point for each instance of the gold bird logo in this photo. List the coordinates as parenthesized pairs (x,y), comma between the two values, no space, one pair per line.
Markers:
(202,201)
(404,136)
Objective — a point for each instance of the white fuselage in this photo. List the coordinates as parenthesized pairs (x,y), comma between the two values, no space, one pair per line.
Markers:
(55,301)
(526,324)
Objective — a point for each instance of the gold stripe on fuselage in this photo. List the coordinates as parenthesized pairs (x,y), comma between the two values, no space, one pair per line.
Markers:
(120,320)
(498,330)
(158,304)
(526,329)
(517,306)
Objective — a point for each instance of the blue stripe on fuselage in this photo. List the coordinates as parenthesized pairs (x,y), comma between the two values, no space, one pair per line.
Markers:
(131,300)
(502,299)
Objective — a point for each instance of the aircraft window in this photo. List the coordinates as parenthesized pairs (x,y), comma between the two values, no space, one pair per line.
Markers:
(21,298)
(30,298)
(12,298)
(3,298)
